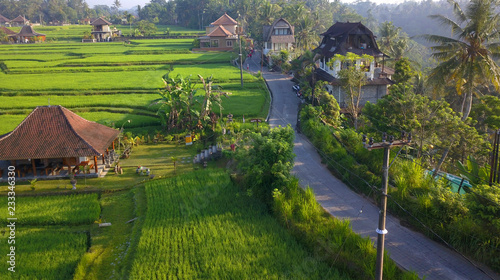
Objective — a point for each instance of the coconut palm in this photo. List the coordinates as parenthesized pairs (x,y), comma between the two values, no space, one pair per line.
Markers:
(467,59)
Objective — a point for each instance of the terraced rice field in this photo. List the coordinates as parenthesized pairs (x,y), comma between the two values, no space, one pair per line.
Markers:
(113,82)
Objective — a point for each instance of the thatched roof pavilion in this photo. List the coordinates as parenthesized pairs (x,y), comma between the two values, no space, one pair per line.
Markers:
(28,33)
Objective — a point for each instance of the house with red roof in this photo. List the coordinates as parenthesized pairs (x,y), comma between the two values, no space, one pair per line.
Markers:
(221,35)
(53,141)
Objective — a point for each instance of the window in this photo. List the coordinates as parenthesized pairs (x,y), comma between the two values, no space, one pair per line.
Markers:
(229,43)
(214,43)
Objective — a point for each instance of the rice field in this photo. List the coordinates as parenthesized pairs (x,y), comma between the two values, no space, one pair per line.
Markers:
(91,78)
(55,210)
(198,226)
(43,254)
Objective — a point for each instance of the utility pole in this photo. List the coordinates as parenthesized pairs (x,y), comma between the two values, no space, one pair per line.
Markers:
(241,61)
(495,164)
(381,231)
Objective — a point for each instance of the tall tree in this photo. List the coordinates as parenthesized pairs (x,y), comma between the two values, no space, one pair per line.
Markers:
(352,79)
(467,60)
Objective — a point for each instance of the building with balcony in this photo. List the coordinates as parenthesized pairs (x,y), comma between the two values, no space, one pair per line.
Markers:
(101,30)
(278,36)
(352,37)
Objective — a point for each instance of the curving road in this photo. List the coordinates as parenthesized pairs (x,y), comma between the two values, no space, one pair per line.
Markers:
(410,250)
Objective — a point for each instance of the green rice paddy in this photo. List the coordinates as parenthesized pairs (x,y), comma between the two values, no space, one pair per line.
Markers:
(113,82)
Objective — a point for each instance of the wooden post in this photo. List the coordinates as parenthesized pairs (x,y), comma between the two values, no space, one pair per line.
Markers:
(95,164)
(113,145)
(103,162)
(33,166)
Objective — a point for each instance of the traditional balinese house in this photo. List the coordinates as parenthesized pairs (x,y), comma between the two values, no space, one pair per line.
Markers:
(352,37)
(52,140)
(102,31)
(19,21)
(4,21)
(28,35)
(221,35)
(278,36)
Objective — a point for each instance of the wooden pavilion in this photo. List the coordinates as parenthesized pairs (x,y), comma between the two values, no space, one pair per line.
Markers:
(27,34)
(51,138)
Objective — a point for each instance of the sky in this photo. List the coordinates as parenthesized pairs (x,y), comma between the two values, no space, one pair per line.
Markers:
(127,4)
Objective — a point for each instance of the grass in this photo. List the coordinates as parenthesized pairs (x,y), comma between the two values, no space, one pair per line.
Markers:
(155,156)
(199,226)
(55,210)
(44,254)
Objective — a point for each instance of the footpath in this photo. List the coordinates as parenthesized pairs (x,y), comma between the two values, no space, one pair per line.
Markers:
(409,249)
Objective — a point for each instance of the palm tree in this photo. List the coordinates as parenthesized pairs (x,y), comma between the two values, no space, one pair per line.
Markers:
(467,60)
(308,60)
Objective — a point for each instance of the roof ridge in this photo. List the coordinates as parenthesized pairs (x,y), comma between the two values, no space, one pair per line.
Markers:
(72,129)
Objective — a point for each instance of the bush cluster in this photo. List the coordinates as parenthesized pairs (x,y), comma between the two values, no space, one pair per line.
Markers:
(267,163)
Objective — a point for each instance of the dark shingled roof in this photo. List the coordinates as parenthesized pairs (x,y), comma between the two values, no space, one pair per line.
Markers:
(55,132)
(268,32)
(341,31)
(7,31)
(100,21)
(225,19)
(27,31)
(4,19)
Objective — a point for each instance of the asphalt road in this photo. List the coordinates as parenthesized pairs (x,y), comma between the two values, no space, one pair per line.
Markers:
(410,250)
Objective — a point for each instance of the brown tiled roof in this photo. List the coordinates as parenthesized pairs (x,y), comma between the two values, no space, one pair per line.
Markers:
(4,19)
(220,32)
(55,132)
(19,19)
(225,20)
(7,31)
(28,31)
(100,21)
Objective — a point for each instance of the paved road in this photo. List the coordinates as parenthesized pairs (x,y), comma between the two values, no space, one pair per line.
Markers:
(409,249)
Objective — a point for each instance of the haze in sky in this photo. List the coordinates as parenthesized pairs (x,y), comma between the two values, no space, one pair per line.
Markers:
(127,4)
